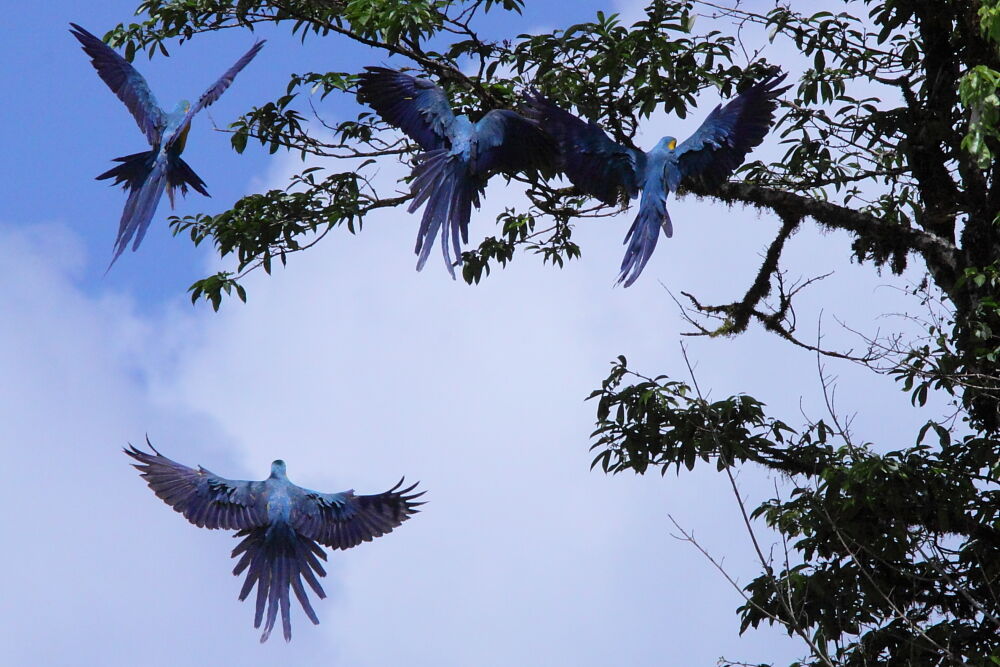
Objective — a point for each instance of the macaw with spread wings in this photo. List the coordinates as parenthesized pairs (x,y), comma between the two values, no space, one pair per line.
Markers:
(282,526)
(611,172)
(146,175)
(459,155)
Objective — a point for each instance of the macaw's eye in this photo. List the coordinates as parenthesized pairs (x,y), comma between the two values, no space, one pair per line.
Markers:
(672,145)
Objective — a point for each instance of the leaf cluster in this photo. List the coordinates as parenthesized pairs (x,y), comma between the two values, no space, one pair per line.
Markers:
(889,558)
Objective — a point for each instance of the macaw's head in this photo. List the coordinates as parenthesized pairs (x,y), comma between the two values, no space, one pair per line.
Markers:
(278,468)
(668,143)
(182,107)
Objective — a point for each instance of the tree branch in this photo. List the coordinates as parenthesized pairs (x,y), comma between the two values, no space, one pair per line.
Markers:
(789,205)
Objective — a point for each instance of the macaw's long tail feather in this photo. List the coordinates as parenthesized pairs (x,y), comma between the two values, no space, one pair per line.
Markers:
(444,183)
(277,559)
(644,233)
(145,176)
(140,207)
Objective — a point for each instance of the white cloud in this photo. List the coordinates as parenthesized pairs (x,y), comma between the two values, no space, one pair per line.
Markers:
(356,370)
(92,575)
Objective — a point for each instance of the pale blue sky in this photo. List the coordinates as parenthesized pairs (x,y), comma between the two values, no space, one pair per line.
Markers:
(356,370)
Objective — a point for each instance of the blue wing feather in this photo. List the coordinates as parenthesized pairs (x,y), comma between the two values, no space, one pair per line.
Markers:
(720,145)
(132,171)
(343,520)
(125,82)
(413,104)
(506,141)
(590,159)
(204,498)
(216,90)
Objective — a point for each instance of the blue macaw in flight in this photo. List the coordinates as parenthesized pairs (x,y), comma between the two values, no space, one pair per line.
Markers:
(613,173)
(282,525)
(459,155)
(147,174)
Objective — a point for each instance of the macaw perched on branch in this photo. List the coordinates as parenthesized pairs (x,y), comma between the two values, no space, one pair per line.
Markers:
(459,155)
(613,173)
(282,525)
(147,174)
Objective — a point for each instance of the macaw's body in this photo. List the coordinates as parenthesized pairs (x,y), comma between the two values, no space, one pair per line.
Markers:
(613,173)
(282,526)
(146,175)
(459,155)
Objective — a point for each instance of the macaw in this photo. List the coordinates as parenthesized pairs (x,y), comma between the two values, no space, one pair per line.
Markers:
(282,525)
(147,174)
(611,172)
(459,156)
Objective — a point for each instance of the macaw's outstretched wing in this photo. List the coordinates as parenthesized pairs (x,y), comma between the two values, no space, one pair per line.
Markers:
(413,104)
(508,142)
(215,91)
(710,155)
(591,160)
(344,520)
(205,499)
(125,82)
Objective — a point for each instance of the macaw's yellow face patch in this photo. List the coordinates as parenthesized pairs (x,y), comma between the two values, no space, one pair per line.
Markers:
(672,145)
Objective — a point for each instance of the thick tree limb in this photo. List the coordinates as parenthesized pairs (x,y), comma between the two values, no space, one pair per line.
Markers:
(937,251)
